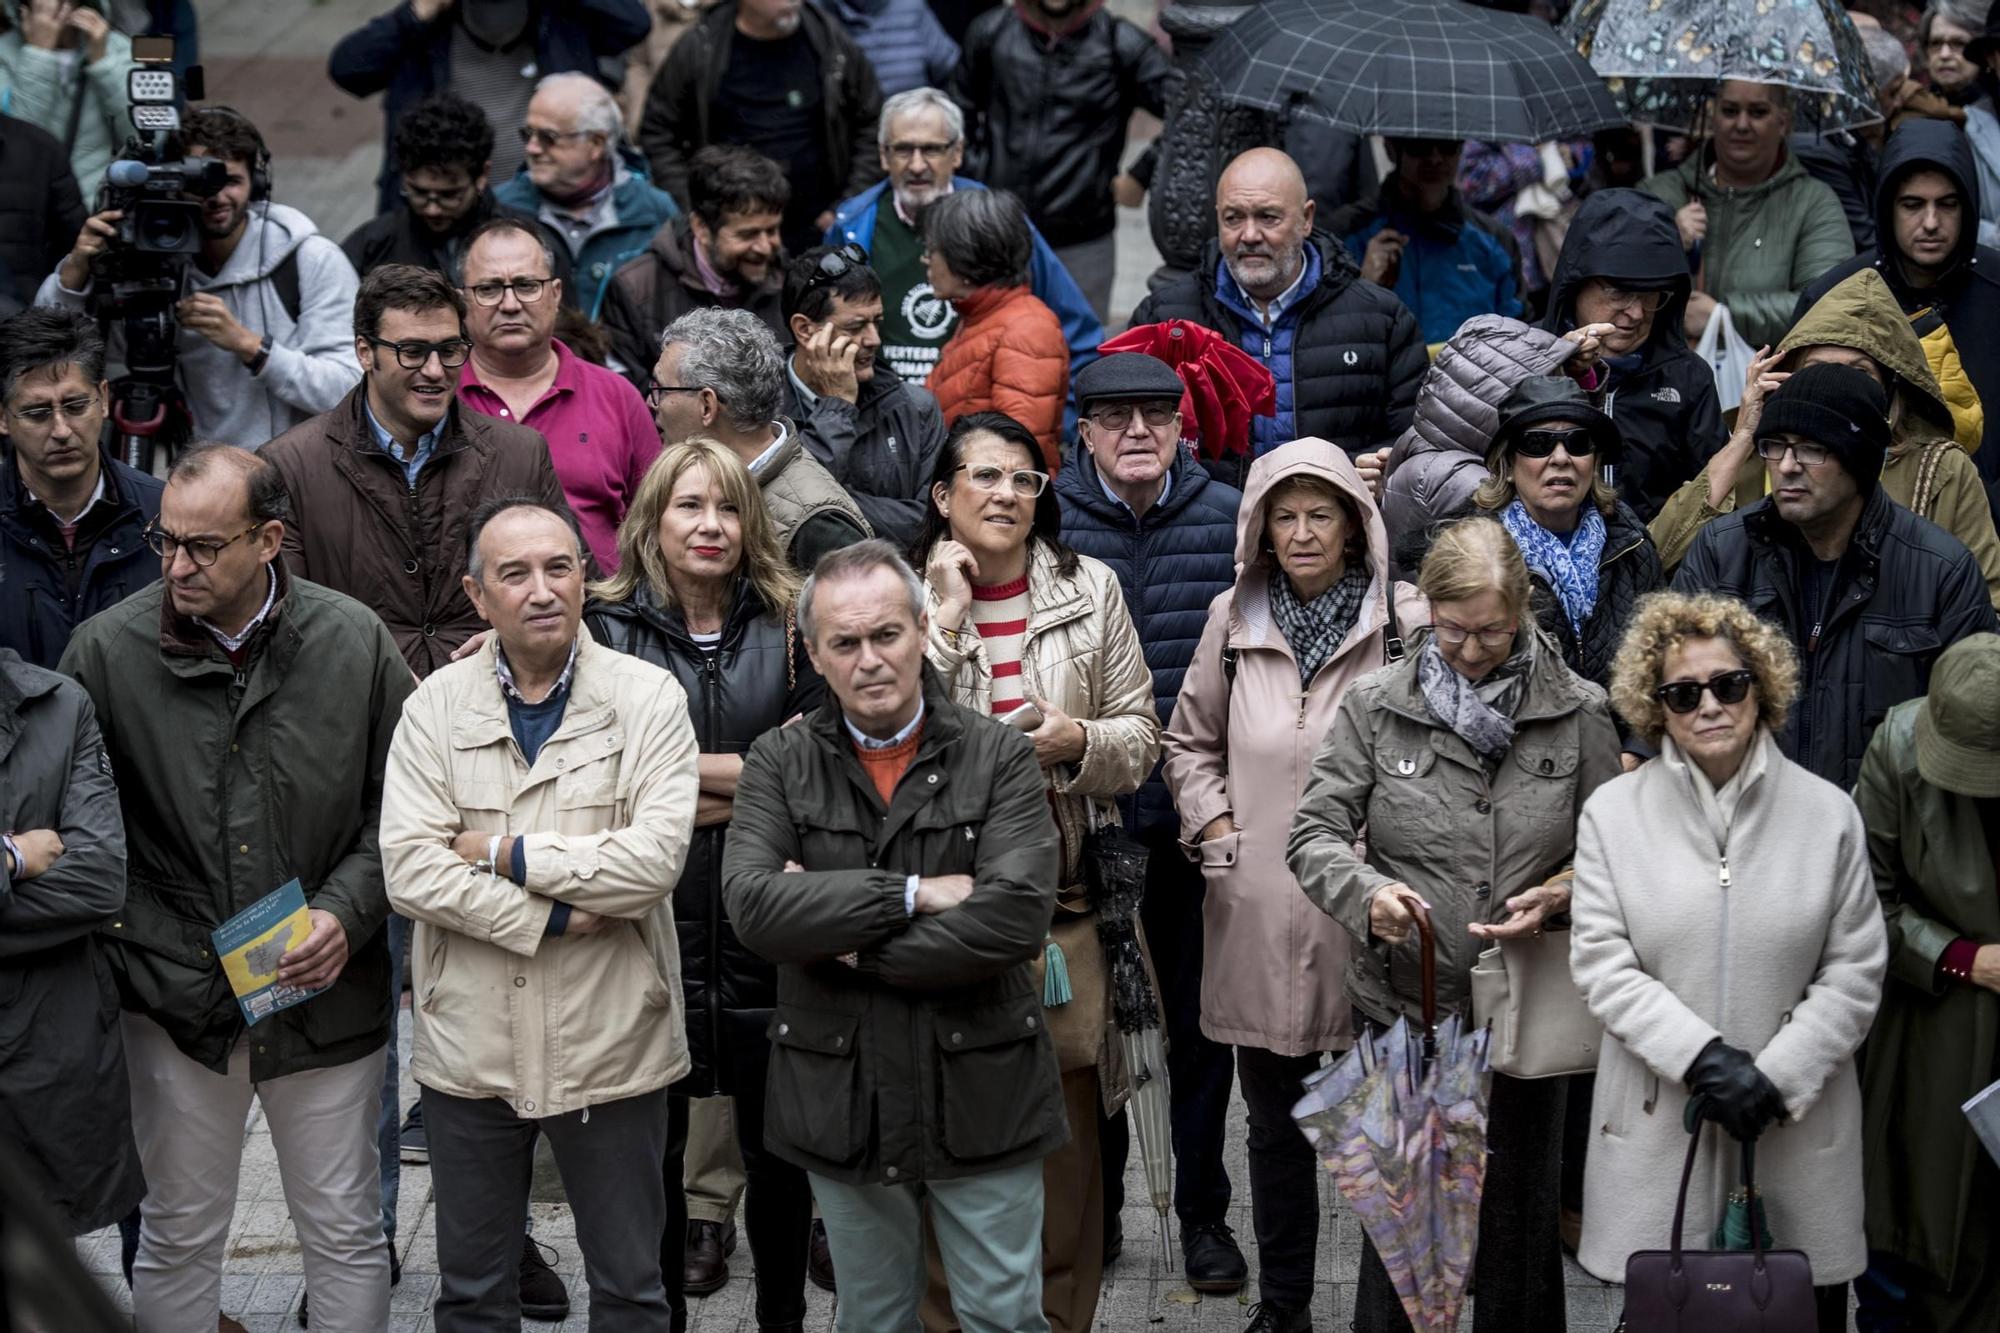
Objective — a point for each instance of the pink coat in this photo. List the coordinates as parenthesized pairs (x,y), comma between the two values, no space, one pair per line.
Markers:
(1273,965)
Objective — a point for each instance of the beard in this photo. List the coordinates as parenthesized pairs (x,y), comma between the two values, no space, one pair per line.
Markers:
(1264,272)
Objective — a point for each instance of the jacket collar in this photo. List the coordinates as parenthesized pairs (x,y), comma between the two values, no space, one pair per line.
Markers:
(1764,524)
(942,723)
(1551,689)
(17,501)
(1080,483)
(481,719)
(182,638)
(19,683)
(645,607)
(983,301)
(347,425)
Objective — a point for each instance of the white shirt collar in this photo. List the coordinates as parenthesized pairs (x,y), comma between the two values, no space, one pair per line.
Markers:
(234,642)
(757,464)
(870,743)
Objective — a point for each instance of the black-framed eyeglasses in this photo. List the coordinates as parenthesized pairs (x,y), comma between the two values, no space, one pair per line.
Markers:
(837,264)
(935,152)
(73,409)
(451,353)
(1488,638)
(657,392)
(535,134)
(1118,416)
(1577,441)
(526,290)
(203,552)
(1728,687)
(1026,482)
(435,198)
(1809,455)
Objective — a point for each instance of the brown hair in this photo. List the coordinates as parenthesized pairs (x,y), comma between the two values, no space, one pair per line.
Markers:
(1472,556)
(1666,620)
(1356,549)
(403,287)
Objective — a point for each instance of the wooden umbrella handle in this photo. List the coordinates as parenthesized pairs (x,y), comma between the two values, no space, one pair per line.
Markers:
(1427,947)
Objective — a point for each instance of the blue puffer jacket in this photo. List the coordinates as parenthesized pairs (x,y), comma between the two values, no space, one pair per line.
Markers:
(37,610)
(1459,262)
(1170,564)
(643,208)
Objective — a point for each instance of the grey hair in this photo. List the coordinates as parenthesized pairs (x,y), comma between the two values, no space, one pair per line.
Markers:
(982,236)
(1887,59)
(920,99)
(851,562)
(1967,14)
(596,109)
(733,354)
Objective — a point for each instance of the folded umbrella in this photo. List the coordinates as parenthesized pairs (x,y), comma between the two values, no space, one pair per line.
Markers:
(1223,385)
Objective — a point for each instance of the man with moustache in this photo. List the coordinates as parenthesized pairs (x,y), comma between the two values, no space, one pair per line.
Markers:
(263,335)
(599,434)
(921,144)
(725,251)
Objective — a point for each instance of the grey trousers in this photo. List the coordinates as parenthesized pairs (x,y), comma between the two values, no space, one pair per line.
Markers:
(482,1156)
(1094,265)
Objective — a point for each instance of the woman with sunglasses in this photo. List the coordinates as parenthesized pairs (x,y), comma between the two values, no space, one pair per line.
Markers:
(1027,630)
(1727,935)
(1589,558)
(1465,764)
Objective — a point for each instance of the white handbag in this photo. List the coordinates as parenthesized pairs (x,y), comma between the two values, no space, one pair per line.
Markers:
(1728,357)
(1541,1027)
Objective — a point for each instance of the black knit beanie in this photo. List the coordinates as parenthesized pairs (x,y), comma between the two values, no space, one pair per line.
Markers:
(1836,406)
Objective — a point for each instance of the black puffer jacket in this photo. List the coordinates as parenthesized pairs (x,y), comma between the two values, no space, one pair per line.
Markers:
(757,677)
(1665,404)
(1628,569)
(1046,114)
(1355,351)
(883,447)
(1906,591)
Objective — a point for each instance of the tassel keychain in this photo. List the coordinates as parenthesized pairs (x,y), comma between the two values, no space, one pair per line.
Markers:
(1055,976)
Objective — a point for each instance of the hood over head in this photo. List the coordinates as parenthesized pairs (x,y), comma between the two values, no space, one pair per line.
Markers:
(1628,236)
(1308,457)
(1861,312)
(1926,145)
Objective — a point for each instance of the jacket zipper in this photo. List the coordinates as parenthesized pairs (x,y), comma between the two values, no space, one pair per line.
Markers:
(712,705)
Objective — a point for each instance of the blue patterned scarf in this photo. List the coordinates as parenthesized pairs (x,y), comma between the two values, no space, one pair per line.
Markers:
(1568,567)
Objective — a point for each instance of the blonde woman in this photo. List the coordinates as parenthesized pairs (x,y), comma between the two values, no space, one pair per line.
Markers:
(1726,933)
(703,589)
(1467,763)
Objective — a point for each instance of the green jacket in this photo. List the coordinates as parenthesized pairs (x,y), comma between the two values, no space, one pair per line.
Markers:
(1936,1041)
(927,1056)
(1764,244)
(46,87)
(233,782)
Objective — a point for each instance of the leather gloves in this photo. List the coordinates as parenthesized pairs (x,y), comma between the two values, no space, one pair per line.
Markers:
(1729,1089)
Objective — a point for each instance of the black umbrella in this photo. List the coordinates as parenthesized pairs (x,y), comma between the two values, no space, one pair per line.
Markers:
(1419,69)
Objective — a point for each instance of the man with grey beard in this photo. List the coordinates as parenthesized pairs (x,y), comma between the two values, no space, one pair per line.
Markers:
(1346,354)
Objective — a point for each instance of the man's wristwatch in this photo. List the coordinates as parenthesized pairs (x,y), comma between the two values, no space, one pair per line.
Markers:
(263,356)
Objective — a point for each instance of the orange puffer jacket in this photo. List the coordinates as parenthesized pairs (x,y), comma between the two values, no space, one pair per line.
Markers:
(1007,356)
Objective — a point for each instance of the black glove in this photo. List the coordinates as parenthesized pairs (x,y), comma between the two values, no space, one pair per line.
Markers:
(1729,1089)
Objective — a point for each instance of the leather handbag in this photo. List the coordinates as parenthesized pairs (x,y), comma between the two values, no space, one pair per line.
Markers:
(1718,1291)
(1523,990)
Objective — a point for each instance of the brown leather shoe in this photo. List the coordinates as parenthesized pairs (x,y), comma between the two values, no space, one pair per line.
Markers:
(706,1266)
(1570,1228)
(224,1324)
(819,1258)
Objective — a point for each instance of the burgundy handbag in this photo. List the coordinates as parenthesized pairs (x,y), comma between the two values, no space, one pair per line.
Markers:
(1718,1291)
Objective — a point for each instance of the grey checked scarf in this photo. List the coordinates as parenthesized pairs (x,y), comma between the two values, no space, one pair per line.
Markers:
(1482,715)
(1316,629)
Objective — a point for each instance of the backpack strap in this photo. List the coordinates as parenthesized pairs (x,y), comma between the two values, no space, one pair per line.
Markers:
(285,277)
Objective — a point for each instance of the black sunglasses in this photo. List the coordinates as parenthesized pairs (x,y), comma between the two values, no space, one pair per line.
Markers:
(1541,443)
(1728,687)
(837,264)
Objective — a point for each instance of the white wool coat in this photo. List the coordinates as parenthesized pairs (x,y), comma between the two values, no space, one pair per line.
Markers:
(1786,962)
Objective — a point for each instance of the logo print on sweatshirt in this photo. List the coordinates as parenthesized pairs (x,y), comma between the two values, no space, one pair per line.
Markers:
(1667,395)
(928,314)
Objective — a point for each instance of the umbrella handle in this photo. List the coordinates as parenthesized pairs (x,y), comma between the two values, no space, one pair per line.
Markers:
(1427,947)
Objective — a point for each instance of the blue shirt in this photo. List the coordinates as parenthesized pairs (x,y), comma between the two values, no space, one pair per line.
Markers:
(426,443)
(1166,489)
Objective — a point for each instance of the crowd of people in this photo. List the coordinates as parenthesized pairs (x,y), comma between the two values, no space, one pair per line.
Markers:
(684,596)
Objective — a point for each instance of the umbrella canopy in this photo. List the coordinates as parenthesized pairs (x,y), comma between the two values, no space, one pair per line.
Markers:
(1424,69)
(1662,59)
(1224,385)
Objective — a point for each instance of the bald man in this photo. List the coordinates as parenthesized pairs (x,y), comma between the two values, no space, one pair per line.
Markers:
(1345,353)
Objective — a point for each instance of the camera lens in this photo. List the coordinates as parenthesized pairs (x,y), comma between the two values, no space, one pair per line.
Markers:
(167,230)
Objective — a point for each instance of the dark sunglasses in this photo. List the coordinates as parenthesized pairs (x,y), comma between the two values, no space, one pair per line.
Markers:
(1728,687)
(1541,443)
(837,264)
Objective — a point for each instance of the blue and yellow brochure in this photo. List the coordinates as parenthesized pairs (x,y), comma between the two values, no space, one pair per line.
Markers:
(250,945)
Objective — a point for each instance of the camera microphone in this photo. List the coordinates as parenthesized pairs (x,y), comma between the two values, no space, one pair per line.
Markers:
(127,173)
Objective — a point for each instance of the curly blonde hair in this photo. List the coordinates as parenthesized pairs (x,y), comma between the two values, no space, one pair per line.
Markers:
(1666,620)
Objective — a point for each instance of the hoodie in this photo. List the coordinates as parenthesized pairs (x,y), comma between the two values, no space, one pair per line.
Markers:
(44,88)
(311,366)
(1662,396)
(1965,298)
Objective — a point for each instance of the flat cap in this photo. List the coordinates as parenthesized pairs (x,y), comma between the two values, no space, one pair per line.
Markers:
(1127,377)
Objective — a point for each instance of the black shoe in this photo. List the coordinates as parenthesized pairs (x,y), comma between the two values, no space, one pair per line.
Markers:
(410,1142)
(1114,1238)
(819,1258)
(705,1267)
(543,1295)
(1267,1318)
(1211,1259)
(395,1276)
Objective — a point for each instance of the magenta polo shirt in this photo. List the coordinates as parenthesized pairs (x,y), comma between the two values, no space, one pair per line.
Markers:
(601,438)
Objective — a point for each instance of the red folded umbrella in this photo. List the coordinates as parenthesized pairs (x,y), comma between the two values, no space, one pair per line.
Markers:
(1224,385)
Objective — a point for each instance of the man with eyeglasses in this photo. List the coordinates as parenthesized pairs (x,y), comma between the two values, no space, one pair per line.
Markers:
(725,251)
(1134,498)
(247,715)
(600,436)
(444,150)
(70,514)
(1618,290)
(1869,593)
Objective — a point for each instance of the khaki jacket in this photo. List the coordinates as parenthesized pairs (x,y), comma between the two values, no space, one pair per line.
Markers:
(548,1024)
(810,511)
(1082,654)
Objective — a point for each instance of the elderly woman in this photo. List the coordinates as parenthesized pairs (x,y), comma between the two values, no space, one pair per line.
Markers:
(1927,796)
(1466,764)
(1945,35)
(1008,354)
(1027,630)
(1588,554)
(1726,934)
(1308,616)
(704,590)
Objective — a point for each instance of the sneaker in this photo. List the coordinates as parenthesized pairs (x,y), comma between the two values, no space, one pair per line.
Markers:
(414,1148)
(1267,1318)
(705,1268)
(543,1295)
(819,1258)
(1211,1258)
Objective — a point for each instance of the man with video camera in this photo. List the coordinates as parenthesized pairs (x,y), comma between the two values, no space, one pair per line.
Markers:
(263,327)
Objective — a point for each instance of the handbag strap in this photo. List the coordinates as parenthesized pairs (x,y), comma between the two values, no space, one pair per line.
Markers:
(1681,1202)
(1749,1189)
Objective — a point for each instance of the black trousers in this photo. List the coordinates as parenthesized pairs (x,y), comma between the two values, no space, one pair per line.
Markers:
(1518,1270)
(1284,1175)
(777,1214)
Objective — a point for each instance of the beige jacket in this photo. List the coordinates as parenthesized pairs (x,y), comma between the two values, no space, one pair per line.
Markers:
(549,1024)
(1082,654)
(1274,968)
